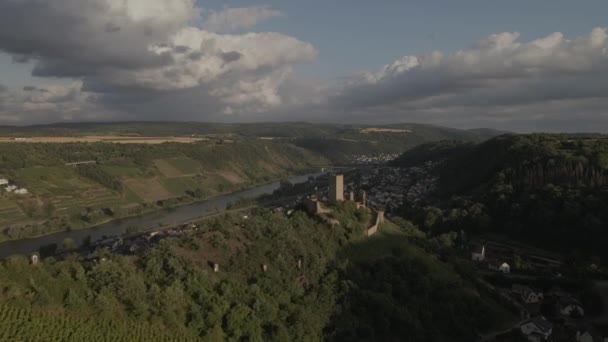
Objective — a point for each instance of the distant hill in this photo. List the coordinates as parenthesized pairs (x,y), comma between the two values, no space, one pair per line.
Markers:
(274,129)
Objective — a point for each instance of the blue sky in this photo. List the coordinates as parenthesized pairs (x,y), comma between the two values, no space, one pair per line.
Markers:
(354,35)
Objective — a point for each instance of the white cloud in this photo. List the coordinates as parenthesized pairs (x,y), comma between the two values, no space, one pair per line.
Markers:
(233,19)
(133,50)
(499,76)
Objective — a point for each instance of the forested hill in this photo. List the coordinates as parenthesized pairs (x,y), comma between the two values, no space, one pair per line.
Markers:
(527,162)
(346,288)
(544,189)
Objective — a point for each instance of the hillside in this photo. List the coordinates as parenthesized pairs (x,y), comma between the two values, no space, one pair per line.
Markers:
(341,291)
(129,179)
(337,142)
(139,167)
(549,190)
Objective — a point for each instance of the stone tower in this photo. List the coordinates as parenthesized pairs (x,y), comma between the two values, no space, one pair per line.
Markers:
(363,197)
(336,188)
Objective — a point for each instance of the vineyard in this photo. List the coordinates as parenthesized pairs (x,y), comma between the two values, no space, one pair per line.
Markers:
(27,325)
(10,213)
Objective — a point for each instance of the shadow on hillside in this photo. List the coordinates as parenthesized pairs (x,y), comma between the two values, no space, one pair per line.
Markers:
(391,290)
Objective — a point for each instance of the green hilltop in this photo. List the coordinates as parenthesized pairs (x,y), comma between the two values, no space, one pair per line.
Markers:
(348,287)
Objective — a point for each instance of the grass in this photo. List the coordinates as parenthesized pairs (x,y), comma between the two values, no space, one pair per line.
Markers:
(185,165)
(121,171)
(148,189)
(19,324)
(179,186)
(50,180)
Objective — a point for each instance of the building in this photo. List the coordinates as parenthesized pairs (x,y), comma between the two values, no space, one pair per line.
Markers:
(11,188)
(3,181)
(21,191)
(336,188)
(532,297)
(479,256)
(570,307)
(584,336)
(537,329)
(528,295)
(503,268)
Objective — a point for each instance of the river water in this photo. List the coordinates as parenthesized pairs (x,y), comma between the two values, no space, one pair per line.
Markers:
(146,221)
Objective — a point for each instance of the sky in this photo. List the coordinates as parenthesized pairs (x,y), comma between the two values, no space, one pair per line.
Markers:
(514,65)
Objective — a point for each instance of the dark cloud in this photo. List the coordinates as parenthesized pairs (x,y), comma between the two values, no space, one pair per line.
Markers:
(181,49)
(231,56)
(32,88)
(110,28)
(71,37)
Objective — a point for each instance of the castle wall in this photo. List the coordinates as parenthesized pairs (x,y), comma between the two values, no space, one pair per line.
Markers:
(379,220)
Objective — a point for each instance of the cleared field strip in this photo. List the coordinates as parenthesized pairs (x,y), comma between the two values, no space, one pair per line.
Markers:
(149,190)
(102,138)
(167,169)
(11,213)
(87,198)
(177,167)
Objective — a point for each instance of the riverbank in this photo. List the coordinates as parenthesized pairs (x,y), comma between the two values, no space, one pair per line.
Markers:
(145,209)
(146,221)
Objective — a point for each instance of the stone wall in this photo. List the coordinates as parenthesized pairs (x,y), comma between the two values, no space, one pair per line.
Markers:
(379,220)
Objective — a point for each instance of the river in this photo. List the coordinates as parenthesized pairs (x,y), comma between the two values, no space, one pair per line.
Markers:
(147,221)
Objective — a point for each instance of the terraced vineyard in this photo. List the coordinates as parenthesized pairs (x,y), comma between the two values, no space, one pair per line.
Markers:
(124,180)
(10,213)
(91,197)
(18,324)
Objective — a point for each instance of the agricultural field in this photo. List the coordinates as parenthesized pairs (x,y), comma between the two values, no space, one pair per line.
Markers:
(130,179)
(10,213)
(179,185)
(148,189)
(121,170)
(18,324)
(177,167)
(65,188)
(102,139)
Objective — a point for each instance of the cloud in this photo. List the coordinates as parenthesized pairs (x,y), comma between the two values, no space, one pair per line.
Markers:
(494,81)
(156,59)
(126,52)
(233,19)
(50,103)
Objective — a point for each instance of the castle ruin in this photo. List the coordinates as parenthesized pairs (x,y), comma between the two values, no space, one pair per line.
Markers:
(336,188)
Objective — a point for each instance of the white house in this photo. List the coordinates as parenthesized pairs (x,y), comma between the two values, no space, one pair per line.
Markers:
(531,297)
(584,336)
(528,295)
(537,329)
(21,191)
(479,256)
(569,306)
(11,188)
(504,268)
(3,181)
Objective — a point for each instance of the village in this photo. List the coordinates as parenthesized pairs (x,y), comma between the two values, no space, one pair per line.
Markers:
(7,186)
(537,284)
